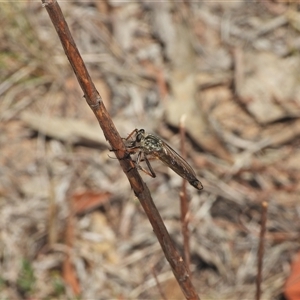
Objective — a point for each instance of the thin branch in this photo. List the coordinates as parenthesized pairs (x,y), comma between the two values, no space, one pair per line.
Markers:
(161,292)
(184,205)
(260,253)
(140,189)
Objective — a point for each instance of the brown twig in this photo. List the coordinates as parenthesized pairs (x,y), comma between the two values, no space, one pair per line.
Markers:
(161,292)
(260,253)
(95,102)
(184,206)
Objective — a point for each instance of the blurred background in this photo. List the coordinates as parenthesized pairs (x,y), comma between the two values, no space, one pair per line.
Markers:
(69,223)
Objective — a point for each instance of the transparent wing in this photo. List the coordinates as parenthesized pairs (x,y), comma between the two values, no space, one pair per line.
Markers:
(170,157)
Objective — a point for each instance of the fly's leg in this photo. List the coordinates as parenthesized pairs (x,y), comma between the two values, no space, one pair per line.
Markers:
(129,142)
(139,159)
(149,167)
(131,134)
(130,149)
(133,150)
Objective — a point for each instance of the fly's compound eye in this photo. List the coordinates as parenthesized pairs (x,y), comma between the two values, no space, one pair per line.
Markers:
(140,135)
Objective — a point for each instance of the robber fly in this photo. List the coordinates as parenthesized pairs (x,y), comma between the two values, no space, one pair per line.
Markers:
(148,145)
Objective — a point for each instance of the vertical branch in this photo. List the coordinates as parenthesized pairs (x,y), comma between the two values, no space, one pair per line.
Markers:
(184,202)
(161,292)
(260,253)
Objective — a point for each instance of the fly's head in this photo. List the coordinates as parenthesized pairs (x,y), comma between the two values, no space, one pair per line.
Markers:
(140,136)
(137,141)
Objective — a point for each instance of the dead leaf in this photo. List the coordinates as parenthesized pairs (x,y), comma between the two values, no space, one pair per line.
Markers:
(66,130)
(292,285)
(88,200)
(270,88)
(68,270)
(70,276)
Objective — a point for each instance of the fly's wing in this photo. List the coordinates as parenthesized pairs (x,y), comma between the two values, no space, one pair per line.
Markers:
(174,161)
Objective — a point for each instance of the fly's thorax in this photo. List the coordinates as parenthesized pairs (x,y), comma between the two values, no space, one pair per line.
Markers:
(152,144)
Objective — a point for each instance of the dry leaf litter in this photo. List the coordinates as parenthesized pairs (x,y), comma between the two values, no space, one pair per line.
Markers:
(69,222)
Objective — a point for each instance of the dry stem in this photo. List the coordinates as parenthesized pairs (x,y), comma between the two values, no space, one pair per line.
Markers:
(260,253)
(184,205)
